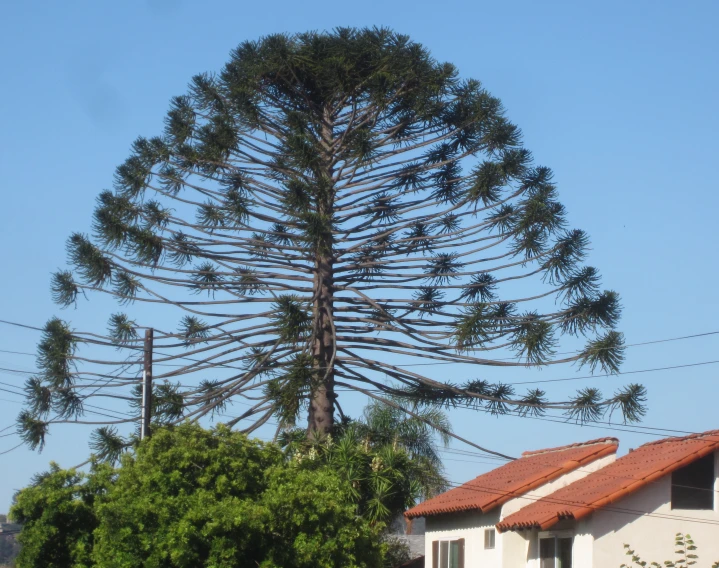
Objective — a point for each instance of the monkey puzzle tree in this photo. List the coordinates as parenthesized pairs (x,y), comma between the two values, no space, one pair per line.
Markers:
(325,207)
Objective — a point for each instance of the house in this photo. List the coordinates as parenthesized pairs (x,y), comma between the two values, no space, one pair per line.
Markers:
(460,525)
(412,536)
(576,506)
(10,528)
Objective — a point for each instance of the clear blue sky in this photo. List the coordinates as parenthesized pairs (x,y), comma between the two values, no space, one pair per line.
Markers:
(619,98)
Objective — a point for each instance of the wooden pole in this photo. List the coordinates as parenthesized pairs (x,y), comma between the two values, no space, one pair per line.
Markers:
(147,386)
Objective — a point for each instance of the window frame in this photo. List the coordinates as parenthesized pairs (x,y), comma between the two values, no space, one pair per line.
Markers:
(556,536)
(678,491)
(493,532)
(437,552)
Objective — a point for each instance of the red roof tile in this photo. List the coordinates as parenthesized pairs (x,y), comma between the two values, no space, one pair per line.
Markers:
(618,479)
(515,478)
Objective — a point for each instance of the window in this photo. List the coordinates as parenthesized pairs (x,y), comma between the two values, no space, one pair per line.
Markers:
(693,485)
(448,553)
(489,536)
(555,552)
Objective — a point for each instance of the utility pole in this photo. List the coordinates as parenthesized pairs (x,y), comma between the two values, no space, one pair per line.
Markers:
(146,386)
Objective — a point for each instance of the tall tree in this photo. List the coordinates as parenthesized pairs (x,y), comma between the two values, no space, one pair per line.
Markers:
(324,208)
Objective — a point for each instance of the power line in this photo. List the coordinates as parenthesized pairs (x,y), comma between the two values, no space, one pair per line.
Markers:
(467,453)
(573,352)
(17,371)
(18,352)
(617,373)
(118,412)
(597,424)
(652,370)
(11,392)
(11,449)
(638,344)
(556,501)
(21,325)
(601,425)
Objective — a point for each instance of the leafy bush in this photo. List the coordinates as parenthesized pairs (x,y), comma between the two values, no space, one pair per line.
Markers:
(191,497)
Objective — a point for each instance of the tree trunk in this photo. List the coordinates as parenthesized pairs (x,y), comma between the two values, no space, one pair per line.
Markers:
(321,412)
(322,397)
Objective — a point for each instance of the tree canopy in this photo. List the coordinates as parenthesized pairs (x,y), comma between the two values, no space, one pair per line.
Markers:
(190,497)
(325,208)
(391,461)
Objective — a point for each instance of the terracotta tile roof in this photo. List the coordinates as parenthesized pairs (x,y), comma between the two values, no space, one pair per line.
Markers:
(618,479)
(515,478)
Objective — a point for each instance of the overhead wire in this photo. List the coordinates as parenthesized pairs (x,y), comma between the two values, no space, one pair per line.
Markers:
(637,344)
(656,369)
(550,499)
(11,449)
(592,424)
(651,370)
(599,471)
(118,412)
(483,490)
(599,424)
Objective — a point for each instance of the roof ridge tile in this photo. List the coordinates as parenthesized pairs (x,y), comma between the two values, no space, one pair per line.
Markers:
(678,439)
(607,440)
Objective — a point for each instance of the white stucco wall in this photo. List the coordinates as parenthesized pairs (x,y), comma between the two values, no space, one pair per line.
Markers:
(652,536)
(518,547)
(599,538)
(583,546)
(512,550)
(470,526)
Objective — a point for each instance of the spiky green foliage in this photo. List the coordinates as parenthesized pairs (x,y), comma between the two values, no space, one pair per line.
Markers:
(210,393)
(321,189)
(168,402)
(67,403)
(55,353)
(289,390)
(39,397)
(64,289)
(54,389)
(534,339)
(31,430)
(389,458)
(108,445)
(290,319)
(193,329)
(474,328)
(121,329)
(605,352)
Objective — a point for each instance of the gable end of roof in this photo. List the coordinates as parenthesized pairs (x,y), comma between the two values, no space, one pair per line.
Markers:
(617,480)
(515,478)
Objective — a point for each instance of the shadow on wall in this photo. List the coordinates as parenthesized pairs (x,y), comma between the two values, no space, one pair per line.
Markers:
(463,520)
(648,499)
